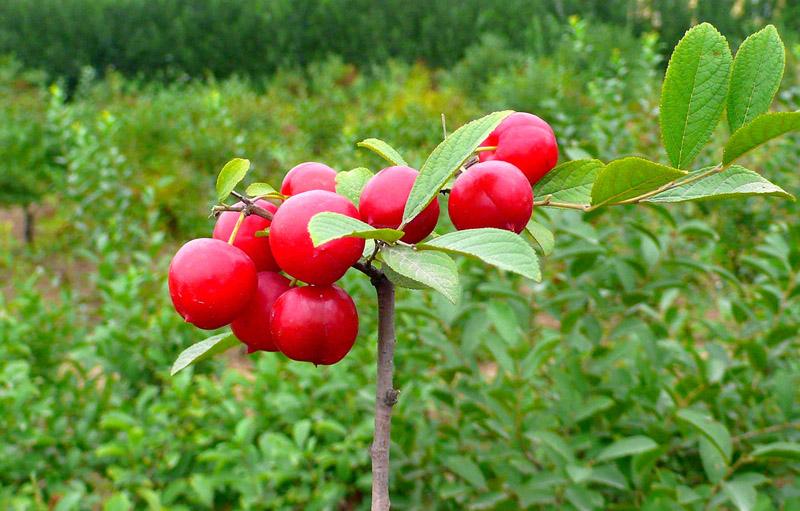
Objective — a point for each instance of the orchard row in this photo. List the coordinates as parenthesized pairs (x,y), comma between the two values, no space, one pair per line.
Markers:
(236,277)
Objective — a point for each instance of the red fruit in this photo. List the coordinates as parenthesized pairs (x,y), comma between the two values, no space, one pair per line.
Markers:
(252,325)
(309,176)
(316,324)
(257,248)
(526,141)
(384,198)
(491,194)
(211,282)
(291,244)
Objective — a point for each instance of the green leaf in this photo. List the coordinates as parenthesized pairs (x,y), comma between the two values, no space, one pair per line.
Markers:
(630,177)
(350,183)
(609,475)
(383,150)
(789,450)
(714,464)
(756,76)
(711,429)
(627,447)
(759,131)
(741,494)
(327,226)
(467,470)
(231,175)
(498,247)
(446,159)
(433,269)
(260,189)
(694,91)
(584,499)
(118,502)
(204,349)
(735,181)
(541,235)
(401,281)
(569,182)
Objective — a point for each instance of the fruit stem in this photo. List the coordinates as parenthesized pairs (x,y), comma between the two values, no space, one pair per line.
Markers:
(236,228)
(485,148)
(385,394)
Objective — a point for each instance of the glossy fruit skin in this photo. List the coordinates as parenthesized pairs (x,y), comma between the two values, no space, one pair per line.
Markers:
(309,176)
(211,282)
(525,141)
(257,248)
(384,198)
(491,194)
(291,244)
(317,324)
(251,326)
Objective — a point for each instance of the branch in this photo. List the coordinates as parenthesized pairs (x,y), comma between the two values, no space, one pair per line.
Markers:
(248,209)
(385,394)
(547,201)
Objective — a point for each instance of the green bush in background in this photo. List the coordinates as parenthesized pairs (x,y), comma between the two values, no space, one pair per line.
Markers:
(256,37)
(514,400)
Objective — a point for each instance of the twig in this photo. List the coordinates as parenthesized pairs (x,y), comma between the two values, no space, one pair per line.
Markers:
(547,201)
(385,394)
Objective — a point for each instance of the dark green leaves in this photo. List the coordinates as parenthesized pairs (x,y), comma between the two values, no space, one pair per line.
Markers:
(541,235)
(352,182)
(446,159)
(467,470)
(383,150)
(760,130)
(503,249)
(694,92)
(203,350)
(569,182)
(757,72)
(327,226)
(788,450)
(433,269)
(231,175)
(628,178)
(733,182)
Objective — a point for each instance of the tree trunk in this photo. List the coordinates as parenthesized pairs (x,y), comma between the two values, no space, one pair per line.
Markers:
(385,394)
(28,223)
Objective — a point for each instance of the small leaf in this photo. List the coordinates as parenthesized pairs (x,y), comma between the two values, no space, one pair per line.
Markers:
(759,131)
(350,183)
(789,450)
(328,226)
(630,177)
(579,474)
(717,433)
(383,150)
(497,247)
(118,502)
(609,475)
(433,269)
(231,175)
(467,470)
(694,92)
(446,159)
(756,76)
(569,182)
(260,189)
(741,494)
(541,235)
(204,349)
(584,499)
(627,447)
(732,182)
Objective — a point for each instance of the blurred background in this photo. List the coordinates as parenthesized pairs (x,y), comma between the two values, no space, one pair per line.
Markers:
(115,116)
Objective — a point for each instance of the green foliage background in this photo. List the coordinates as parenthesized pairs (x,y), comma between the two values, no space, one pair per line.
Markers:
(515,399)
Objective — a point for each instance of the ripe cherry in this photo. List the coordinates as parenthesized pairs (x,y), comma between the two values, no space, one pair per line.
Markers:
(252,325)
(491,194)
(257,248)
(316,324)
(211,282)
(526,141)
(384,198)
(309,176)
(291,243)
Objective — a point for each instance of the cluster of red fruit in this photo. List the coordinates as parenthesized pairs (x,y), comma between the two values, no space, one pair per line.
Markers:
(214,283)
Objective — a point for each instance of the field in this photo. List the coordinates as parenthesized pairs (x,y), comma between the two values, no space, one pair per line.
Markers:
(508,401)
